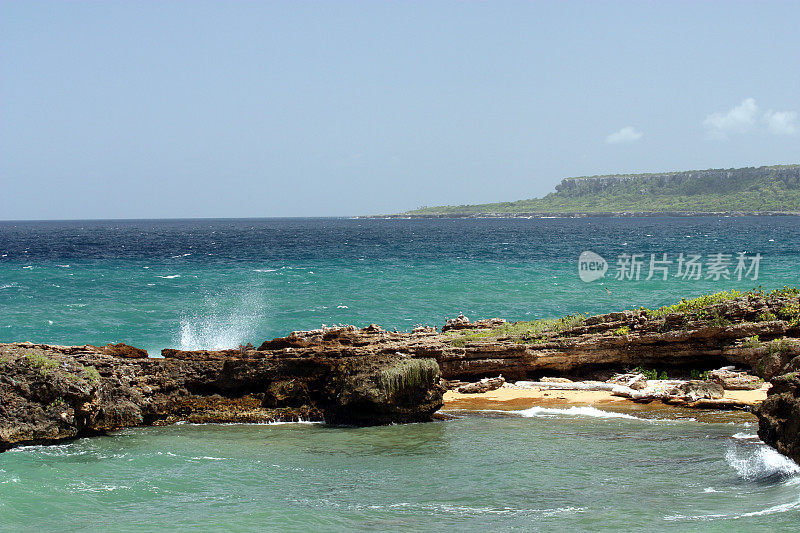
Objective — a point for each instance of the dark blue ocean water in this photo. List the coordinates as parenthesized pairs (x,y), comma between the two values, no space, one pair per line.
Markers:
(218,283)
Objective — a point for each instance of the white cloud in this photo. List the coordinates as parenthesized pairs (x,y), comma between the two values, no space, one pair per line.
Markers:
(628,134)
(738,120)
(781,122)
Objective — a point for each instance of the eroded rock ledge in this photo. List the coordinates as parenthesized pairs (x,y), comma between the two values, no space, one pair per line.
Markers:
(51,393)
(347,375)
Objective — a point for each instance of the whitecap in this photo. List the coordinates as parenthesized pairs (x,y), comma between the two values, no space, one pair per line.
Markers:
(63,266)
(82,486)
(29,267)
(171,276)
(265,270)
(573,411)
(745,436)
(342,307)
(781,508)
(760,463)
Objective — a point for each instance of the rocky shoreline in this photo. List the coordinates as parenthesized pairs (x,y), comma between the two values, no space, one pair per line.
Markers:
(367,376)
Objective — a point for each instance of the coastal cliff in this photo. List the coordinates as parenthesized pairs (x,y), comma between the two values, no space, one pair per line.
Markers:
(737,191)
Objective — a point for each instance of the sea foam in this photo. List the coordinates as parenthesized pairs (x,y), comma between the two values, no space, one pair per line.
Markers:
(574,411)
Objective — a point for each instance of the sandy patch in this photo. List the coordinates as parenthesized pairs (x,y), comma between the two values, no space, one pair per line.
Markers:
(517,399)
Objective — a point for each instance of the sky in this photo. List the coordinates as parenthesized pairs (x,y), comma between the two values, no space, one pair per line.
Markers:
(191,109)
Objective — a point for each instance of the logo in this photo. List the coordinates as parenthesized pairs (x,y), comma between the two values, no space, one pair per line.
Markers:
(591,266)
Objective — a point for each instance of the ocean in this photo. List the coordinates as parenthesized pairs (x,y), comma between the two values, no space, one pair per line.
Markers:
(195,284)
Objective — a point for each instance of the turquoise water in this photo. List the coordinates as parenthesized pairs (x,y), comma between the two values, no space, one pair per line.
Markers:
(491,471)
(216,284)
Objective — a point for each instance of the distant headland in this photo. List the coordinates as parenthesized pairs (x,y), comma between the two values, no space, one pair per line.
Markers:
(769,190)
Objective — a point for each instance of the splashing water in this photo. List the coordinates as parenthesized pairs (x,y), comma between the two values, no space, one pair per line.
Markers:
(761,463)
(223,328)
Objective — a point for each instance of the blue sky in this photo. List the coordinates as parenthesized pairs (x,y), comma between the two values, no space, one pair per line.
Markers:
(258,109)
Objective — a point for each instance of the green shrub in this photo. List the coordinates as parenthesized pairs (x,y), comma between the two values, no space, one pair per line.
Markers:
(700,374)
(751,342)
(766,316)
(56,403)
(694,305)
(785,292)
(720,321)
(532,331)
(789,312)
(42,362)
(780,346)
(91,374)
(624,330)
(649,374)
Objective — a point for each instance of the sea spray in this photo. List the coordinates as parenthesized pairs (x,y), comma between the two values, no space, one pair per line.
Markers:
(224,322)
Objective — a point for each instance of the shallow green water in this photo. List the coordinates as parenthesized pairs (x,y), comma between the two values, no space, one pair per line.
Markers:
(489,471)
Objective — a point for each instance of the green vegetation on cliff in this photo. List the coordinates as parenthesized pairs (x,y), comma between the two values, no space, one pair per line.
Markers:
(774,189)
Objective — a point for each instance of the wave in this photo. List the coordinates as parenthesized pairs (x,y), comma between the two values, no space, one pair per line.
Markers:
(573,411)
(299,421)
(761,463)
(745,436)
(449,509)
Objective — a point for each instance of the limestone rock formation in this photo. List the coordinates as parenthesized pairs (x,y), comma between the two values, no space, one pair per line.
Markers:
(365,376)
(51,393)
